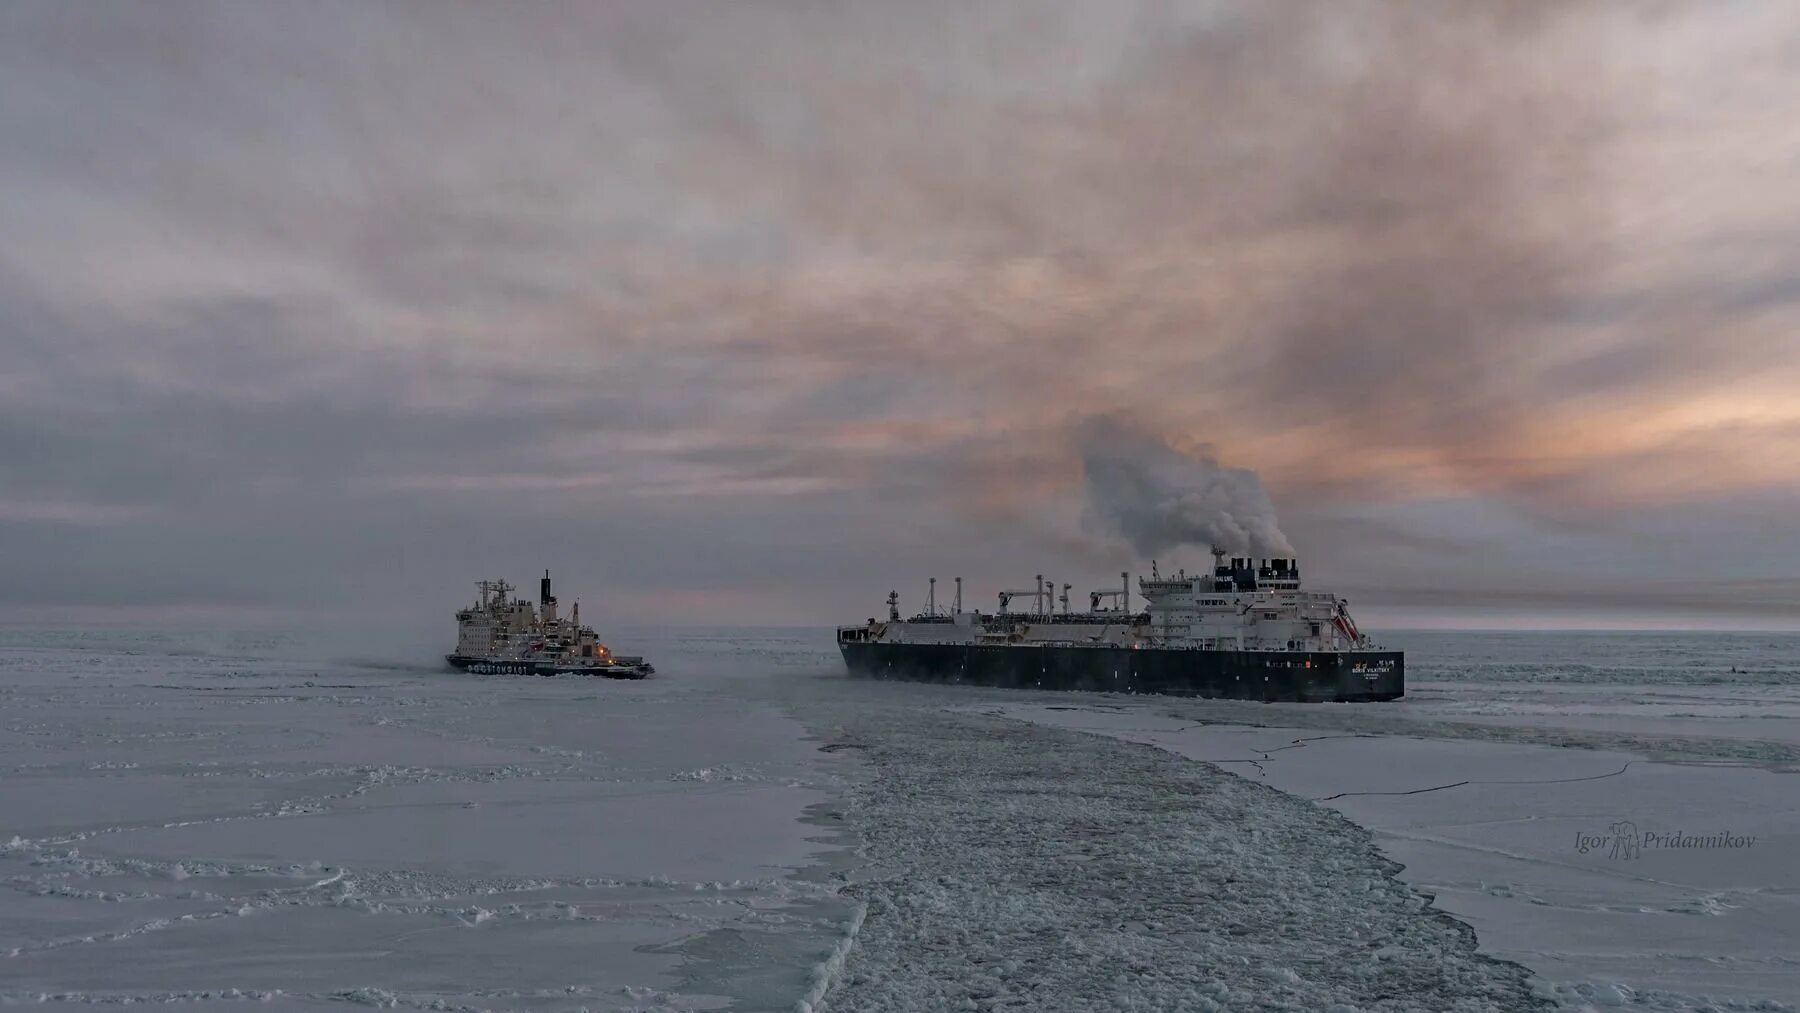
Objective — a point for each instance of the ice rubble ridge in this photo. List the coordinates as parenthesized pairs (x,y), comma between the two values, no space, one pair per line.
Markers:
(1032,868)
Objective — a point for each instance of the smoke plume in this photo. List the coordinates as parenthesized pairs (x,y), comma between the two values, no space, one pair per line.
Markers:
(1156,496)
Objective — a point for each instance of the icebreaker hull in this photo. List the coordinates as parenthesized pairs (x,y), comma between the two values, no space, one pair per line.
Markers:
(509,666)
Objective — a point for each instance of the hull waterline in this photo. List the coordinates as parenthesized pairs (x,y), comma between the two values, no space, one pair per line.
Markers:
(487,666)
(1299,676)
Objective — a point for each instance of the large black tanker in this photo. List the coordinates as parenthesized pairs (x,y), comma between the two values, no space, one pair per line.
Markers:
(1244,632)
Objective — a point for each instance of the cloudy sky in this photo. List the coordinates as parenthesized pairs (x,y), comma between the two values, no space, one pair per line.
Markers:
(746,313)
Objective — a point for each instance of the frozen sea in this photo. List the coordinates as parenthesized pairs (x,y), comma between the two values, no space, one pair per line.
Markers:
(205,818)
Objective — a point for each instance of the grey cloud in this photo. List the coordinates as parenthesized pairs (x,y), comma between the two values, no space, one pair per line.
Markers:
(293,297)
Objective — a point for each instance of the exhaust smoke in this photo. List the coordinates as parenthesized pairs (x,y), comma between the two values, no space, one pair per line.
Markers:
(1156,496)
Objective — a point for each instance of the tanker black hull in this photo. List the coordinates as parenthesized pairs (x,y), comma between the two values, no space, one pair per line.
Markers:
(487,666)
(1302,676)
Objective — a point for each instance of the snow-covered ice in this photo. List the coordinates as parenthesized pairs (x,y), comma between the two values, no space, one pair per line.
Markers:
(1486,791)
(203,826)
(225,819)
